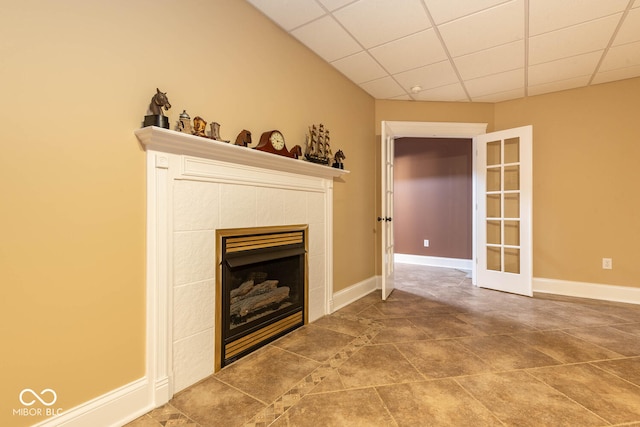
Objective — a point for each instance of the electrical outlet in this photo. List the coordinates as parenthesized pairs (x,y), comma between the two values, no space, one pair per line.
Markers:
(607,264)
(426,243)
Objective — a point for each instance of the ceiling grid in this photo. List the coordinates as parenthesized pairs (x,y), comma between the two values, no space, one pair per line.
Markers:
(467,50)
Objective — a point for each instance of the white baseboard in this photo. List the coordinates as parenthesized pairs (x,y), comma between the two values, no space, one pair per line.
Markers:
(587,290)
(434,261)
(114,408)
(353,293)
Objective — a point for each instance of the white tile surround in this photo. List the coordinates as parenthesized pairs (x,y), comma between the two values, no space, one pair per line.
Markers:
(194,187)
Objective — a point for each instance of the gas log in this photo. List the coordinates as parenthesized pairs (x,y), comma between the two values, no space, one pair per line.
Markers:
(252,297)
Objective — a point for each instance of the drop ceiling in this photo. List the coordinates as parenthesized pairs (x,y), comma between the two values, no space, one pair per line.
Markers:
(467,50)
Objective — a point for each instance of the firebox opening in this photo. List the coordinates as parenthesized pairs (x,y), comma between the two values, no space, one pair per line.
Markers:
(262,292)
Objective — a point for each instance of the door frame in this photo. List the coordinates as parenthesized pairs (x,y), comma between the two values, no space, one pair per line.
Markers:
(409,129)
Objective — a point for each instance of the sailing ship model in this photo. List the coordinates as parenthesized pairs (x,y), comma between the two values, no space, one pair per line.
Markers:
(318,149)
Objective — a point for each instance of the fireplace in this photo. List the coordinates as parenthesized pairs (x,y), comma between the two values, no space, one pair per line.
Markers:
(262,287)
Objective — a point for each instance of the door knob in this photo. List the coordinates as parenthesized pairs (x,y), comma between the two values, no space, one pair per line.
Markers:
(384,219)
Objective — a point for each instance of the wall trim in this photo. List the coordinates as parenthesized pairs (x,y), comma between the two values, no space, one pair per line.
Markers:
(434,261)
(114,408)
(597,291)
(353,293)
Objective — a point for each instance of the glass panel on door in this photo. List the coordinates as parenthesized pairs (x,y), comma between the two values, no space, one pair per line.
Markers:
(503,205)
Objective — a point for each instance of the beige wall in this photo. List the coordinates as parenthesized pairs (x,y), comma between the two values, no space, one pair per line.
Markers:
(77,77)
(586,148)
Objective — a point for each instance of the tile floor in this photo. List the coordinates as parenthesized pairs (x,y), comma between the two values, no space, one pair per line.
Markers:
(438,352)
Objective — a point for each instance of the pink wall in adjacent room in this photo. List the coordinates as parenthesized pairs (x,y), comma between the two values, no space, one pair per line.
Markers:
(432,201)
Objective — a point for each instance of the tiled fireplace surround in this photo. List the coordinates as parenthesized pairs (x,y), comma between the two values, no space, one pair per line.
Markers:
(194,187)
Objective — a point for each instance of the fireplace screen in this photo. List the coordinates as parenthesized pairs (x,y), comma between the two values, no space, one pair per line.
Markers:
(262,287)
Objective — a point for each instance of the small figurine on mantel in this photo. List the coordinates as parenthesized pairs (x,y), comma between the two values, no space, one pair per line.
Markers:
(297,152)
(199,126)
(184,123)
(157,117)
(337,160)
(244,138)
(215,132)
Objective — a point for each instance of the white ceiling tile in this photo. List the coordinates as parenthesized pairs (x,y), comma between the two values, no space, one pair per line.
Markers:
(385,20)
(383,88)
(428,77)
(453,92)
(388,46)
(501,82)
(563,69)
(491,61)
(445,10)
(559,85)
(626,55)
(492,27)
(501,96)
(410,52)
(617,74)
(326,38)
(549,15)
(630,29)
(574,40)
(289,14)
(404,97)
(332,5)
(360,67)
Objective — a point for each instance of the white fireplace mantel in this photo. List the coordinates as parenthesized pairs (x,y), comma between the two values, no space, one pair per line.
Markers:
(170,141)
(196,186)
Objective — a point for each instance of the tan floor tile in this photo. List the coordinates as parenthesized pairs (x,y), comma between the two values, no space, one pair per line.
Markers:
(342,325)
(143,421)
(331,382)
(611,398)
(351,408)
(435,403)
(398,330)
(314,342)
(564,347)
(377,365)
(583,316)
(267,373)
(211,403)
(445,326)
(492,323)
(628,369)
(629,328)
(442,358)
(611,338)
(520,400)
(503,352)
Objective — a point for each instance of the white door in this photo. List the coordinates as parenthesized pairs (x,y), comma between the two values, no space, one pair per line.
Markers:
(386,216)
(504,210)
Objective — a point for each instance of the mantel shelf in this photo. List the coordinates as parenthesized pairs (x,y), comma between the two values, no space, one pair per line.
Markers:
(170,141)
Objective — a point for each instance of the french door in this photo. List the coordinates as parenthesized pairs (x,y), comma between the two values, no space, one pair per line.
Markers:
(386,217)
(502,224)
(504,208)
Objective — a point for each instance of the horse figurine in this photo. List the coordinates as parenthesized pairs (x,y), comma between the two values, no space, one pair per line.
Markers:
(337,160)
(158,102)
(244,138)
(296,151)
